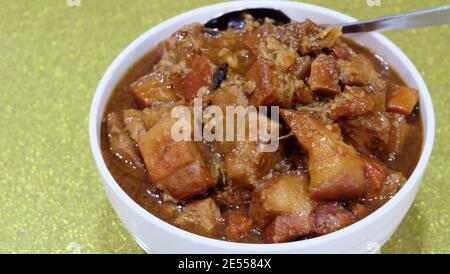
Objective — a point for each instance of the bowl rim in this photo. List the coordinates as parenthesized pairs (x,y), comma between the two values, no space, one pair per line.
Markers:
(413,180)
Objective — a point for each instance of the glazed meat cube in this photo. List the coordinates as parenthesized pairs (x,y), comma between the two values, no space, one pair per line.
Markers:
(199,74)
(324,77)
(153,115)
(329,218)
(178,168)
(123,147)
(336,171)
(152,89)
(352,102)
(397,135)
(201,216)
(252,39)
(246,163)
(370,133)
(237,225)
(134,124)
(357,70)
(262,73)
(391,185)
(271,88)
(302,67)
(284,194)
(341,50)
(287,228)
(403,101)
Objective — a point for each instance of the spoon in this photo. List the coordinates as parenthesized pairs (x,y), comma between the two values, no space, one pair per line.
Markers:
(421,18)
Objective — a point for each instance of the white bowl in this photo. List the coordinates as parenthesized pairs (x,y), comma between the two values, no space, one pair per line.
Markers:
(156,236)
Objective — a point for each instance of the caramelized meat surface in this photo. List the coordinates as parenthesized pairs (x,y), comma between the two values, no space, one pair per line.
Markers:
(180,169)
(336,170)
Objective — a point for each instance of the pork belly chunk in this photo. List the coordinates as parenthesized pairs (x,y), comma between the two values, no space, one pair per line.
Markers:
(123,147)
(357,70)
(198,74)
(331,217)
(368,133)
(246,163)
(282,206)
(352,102)
(201,216)
(336,170)
(287,228)
(324,77)
(179,168)
(273,86)
(238,225)
(285,194)
(152,89)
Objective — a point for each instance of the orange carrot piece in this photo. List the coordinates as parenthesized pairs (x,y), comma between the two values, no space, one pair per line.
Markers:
(403,101)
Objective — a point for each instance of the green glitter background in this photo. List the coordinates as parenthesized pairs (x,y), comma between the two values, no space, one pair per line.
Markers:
(52,57)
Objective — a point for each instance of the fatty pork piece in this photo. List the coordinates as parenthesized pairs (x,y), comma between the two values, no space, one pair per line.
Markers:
(377,133)
(246,163)
(357,70)
(123,147)
(199,72)
(382,182)
(201,216)
(369,133)
(284,204)
(237,224)
(336,170)
(179,168)
(153,89)
(324,77)
(284,194)
(274,86)
(352,102)
(328,218)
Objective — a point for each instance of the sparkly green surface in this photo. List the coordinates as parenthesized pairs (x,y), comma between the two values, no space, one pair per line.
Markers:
(52,57)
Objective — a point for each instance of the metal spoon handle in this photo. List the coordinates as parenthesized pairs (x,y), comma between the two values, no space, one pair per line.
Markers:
(421,18)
